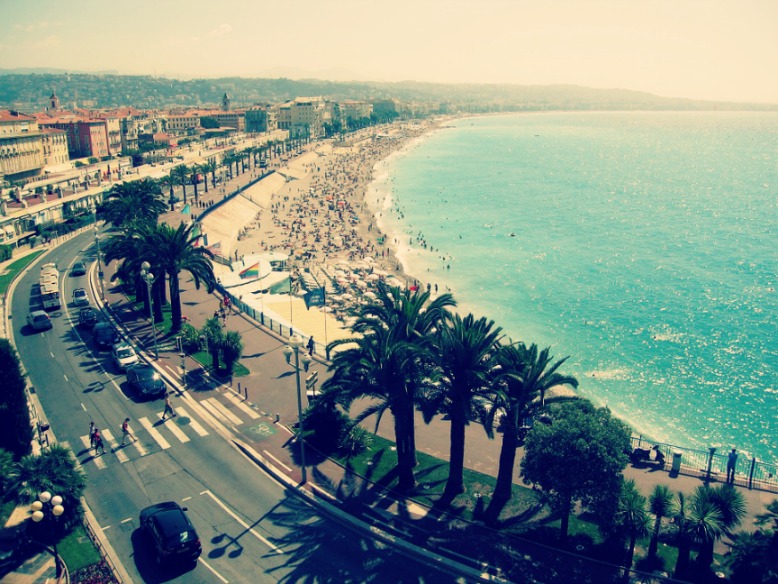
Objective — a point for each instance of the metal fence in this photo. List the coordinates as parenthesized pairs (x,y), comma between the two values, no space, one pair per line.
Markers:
(712,465)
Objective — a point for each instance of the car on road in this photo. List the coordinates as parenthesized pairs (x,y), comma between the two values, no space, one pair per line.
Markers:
(145,381)
(80,297)
(105,335)
(171,532)
(87,317)
(39,320)
(78,269)
(124,355)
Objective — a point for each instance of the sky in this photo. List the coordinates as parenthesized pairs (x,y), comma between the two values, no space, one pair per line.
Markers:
(702,49)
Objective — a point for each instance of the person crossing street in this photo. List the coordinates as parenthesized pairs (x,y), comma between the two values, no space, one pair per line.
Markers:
(168,408)
(126,431)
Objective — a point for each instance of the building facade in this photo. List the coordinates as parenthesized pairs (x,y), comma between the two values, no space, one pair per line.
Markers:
(21,149)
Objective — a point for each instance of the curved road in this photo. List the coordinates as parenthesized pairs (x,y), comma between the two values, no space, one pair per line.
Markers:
(251,529)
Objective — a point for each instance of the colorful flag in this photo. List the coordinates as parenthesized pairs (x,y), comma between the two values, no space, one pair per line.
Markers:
(250,272)
(187,210)
(314,298)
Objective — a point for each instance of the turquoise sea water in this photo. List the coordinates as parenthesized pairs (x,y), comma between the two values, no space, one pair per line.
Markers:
(643,245)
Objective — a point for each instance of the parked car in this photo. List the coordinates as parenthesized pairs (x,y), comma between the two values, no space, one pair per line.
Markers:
(39,320)
(78,269)
(124,355)
(87,317)
(80,297)
(172,533)
(105,335)
(145,381)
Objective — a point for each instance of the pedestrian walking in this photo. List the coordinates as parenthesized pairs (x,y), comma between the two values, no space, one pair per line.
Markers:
(91,434)
(311,346)
(731,464)
(168,408)
(126,431)
(98,441)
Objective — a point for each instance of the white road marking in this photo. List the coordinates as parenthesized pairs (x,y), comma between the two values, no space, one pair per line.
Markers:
(154,433)
(175,430)
(66,378)
(242,523)
(192,422)
(83,407)
(215,573)
(214,406)
(126,520)
(52,354)
(241,405)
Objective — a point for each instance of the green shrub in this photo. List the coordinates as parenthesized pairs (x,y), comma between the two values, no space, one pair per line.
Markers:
(356,441)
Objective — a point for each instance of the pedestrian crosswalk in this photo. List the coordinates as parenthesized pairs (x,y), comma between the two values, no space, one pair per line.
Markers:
(154,434)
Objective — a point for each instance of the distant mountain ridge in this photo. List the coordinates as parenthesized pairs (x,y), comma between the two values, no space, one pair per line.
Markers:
(30,92)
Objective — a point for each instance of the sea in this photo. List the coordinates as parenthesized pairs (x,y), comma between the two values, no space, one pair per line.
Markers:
(641,245)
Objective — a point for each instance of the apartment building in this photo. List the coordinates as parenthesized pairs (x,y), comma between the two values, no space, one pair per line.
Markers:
(21,150)
(303,117)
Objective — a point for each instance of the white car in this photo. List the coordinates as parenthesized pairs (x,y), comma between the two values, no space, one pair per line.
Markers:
(124,356)
(80,297)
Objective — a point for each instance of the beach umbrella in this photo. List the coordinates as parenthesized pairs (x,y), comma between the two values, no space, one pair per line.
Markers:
(372,277)
(370,295)
(361,284)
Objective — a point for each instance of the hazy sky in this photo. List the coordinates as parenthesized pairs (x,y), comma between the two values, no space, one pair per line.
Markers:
(708,49)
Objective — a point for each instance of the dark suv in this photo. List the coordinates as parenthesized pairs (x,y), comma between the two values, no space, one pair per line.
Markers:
(173,535)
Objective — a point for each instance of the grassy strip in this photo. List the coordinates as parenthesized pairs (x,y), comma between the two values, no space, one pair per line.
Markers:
(14,269)
(77,550)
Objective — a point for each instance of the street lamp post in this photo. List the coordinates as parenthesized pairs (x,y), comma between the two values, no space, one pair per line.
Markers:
(48,506)
(295,343)
(148,277)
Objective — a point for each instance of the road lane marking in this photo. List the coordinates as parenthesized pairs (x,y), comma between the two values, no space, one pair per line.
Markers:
(126,520)
(175,430)
(242,406)
(192,422)
(154,433)
(242,523)
(217,409)
(215,573)
(66,378)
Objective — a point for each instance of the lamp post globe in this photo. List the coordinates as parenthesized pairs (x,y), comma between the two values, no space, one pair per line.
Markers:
(148,277)
(48,505)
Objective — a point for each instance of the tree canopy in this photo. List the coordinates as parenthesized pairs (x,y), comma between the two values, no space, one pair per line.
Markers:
(15,426)
(578,456)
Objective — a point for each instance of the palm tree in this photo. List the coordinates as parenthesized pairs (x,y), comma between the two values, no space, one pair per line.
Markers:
(464,376)
(384,362)
(214,337)
(660,504)
(206,167)
(55,470)
(176,252)
(139,200)
(180,174)
(131,247)
(232,349)
(168,182)
(696,519)
(525,378)
(194,170)
(731,505)
(632,518)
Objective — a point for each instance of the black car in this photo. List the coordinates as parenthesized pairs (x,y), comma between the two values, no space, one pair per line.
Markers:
(87,317)
(145,381)
(78,269)
(173,535)
(105,335)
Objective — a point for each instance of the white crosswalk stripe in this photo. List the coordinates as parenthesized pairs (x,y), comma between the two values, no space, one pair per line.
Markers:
(242,406)
(194,424)
(220,412)
(174,429)
(154,433)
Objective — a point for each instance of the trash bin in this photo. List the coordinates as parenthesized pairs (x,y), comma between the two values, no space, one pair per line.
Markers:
(676,462)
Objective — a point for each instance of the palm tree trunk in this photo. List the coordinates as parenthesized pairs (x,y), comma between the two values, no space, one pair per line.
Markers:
(158,293)
(652,546)
(455,483)
(503,487)
(566,508)
(175,302)
(405,479)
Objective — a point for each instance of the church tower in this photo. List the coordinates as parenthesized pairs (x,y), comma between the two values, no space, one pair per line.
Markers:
(226,102)
(54,102)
